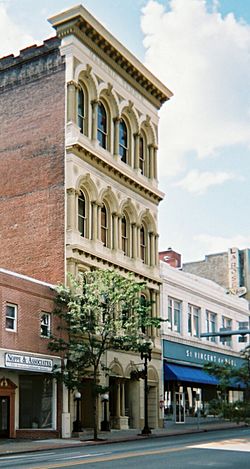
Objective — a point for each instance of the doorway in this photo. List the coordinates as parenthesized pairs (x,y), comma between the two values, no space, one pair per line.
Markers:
(4,416)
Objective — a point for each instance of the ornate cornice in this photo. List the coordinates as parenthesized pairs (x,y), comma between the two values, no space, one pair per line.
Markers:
(146,191)
(78,22)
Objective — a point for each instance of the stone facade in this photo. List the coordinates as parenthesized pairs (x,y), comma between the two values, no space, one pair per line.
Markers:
(84,162)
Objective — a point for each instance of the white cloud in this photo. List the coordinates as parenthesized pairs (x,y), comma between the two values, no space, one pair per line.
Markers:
(204,59)
(12,37)
(199,182)
(214,244)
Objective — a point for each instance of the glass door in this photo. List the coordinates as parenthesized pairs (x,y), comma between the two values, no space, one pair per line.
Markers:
(4,416)
(180,407)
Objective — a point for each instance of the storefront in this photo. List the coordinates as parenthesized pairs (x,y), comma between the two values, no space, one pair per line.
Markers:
(28,395)
(188,388)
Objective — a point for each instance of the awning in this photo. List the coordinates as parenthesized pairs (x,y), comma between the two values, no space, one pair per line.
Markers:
(188,373)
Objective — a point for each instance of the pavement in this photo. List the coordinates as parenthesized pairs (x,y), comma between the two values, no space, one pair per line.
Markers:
(192,425)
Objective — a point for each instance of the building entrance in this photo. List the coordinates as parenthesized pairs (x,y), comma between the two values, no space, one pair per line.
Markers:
(4,417)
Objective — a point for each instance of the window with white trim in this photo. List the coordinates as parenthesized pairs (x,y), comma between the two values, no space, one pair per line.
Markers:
(194,320)
(174,314)
(211,324)
(45,324)
(226,325)
(11,317)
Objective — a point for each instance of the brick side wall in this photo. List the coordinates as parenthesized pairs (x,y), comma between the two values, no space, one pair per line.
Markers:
(214,267)
(31,299)
(32,103)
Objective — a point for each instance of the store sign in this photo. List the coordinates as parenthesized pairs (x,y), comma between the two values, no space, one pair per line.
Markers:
(198,356)
(28,362)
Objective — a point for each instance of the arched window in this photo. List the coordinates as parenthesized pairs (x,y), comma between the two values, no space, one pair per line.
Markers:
(123,141)
(143,244)
(80,110)
(144,303)
(104,225)
(82,219)
(102,125)
(142,155)
(124,230)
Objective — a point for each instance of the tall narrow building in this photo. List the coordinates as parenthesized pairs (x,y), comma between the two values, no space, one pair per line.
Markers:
(80,185)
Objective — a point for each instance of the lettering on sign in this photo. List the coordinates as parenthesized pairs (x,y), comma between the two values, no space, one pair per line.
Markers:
(28,362)
(210,357)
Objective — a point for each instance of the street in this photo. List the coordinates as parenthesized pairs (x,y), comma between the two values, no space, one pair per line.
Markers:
(227,449)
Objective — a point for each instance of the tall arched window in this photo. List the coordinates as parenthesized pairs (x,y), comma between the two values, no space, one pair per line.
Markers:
(82,219)
(144,303)
(123,141)
(142,155)
(143,244)
(80,110)
(102,125)
(124,230)
(104,225)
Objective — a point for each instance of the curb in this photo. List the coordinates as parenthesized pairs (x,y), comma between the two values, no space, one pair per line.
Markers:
(116,440)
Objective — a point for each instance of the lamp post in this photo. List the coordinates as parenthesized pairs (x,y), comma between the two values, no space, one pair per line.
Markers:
(77,424)
(105,426)
(146,356)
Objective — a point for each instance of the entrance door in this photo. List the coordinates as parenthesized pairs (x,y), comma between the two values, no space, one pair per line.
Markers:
(180,407)
(4,417)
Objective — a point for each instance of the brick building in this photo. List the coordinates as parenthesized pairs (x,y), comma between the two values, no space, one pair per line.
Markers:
(80,178)
(30,400)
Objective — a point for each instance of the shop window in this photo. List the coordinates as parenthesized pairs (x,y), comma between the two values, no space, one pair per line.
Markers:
(211,324)
(81,110)
(104,225)
(193,321)
(174,314)
(35,401)
(102,125)
(123,141)
(45,325)
(142,155)
(124,230)
(11,317)
(143,244)
(226,326)
(82,219)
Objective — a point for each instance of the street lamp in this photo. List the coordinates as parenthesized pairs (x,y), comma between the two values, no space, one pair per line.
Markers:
(105,426)
(77,424)
(146,352)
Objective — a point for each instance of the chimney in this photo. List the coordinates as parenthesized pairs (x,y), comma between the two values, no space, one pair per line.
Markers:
(171,257)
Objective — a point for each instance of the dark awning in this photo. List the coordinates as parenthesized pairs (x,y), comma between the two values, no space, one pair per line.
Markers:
(188,374)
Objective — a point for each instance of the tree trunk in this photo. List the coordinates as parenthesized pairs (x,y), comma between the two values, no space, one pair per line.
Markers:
(95,406)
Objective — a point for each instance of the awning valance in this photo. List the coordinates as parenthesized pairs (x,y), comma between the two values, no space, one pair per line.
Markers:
(188,373)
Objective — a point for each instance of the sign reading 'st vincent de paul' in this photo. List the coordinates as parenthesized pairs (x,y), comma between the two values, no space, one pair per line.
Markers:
(28,362)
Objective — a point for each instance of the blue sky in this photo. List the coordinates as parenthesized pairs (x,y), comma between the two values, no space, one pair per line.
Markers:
(201,50)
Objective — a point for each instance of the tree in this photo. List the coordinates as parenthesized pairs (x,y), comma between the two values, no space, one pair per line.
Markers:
(229,375)
(99,311)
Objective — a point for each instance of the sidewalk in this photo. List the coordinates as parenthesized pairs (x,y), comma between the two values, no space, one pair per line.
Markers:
(114,436)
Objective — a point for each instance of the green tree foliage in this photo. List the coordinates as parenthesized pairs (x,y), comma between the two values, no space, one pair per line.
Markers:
(99,311)
(229,376)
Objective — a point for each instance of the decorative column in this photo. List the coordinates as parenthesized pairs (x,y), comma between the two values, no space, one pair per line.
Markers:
(115,231)
(156,249)
(155,162)
(153,311)
(72,87)
(123,399)
(118,399)
(138,242)
(137,147)
(151,162)
(116,136)
(71,209)
(134,240)
(157,311)
(94,119)
(152,248)
(94,221)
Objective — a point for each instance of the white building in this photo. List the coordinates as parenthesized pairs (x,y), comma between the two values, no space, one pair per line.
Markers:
(193,305)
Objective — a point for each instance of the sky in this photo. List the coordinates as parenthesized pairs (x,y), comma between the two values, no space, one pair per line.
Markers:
(200,49)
